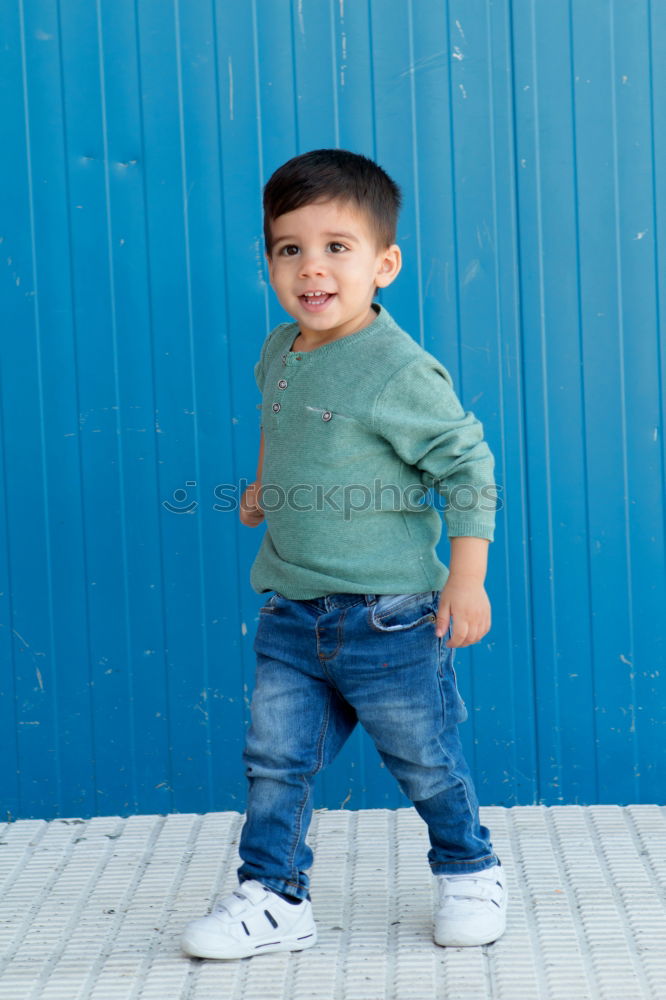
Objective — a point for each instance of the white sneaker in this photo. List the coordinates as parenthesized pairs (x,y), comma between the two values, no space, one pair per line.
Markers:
(472,908)
(251,921)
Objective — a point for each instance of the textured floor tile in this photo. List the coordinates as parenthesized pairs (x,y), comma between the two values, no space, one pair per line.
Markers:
(93,910)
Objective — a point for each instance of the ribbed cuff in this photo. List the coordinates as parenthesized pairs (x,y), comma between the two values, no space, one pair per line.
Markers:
(471,529)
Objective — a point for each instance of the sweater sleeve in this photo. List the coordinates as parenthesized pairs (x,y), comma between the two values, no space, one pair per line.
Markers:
(420,415)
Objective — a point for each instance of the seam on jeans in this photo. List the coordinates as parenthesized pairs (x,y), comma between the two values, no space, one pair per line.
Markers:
(329,656)
(298,826)
(453,772)
(442,701)
(440,643)
(441,677)
(459,778)
(319,759)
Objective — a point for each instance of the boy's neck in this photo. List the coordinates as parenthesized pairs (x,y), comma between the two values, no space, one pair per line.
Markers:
(312,339)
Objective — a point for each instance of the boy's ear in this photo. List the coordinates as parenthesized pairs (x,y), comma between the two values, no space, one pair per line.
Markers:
(389,266)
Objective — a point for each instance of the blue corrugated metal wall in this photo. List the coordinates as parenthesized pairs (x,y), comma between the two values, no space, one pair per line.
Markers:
(529,138)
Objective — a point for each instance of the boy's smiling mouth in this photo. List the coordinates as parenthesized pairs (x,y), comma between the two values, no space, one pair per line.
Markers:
(315,301)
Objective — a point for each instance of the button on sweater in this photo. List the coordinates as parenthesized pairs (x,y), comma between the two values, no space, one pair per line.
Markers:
(355,434)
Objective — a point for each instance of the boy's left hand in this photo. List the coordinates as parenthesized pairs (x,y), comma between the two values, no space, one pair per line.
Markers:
(465,600)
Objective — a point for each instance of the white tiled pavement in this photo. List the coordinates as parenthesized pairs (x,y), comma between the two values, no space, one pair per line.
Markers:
(92,910)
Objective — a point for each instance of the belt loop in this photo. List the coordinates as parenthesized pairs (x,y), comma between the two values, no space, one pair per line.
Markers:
(370,599)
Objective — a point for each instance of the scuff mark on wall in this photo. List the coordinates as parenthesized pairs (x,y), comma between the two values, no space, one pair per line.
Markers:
(434,61)
(343,64)
(471,271)
(19,636)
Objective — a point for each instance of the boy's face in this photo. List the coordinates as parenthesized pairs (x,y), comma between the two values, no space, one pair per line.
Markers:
(325,265)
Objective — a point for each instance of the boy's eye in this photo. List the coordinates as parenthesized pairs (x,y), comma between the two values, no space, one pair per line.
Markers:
(289,250)
(337,247)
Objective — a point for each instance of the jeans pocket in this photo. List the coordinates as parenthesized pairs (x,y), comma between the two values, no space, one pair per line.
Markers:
(398,612)
(455,710)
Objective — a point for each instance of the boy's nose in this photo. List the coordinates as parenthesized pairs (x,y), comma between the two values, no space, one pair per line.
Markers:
(314,264)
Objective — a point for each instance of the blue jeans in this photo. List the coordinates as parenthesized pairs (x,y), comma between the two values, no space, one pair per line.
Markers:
(322,666)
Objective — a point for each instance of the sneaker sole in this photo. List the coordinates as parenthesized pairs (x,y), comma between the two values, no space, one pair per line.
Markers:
(198,949)
(460,943)
(462,940)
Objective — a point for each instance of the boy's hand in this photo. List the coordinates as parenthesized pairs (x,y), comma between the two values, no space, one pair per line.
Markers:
(464,599)
(251,513)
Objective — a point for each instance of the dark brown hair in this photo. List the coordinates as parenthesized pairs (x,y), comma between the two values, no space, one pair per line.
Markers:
(330,174)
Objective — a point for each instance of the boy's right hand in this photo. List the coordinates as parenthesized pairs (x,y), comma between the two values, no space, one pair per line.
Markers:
(251,513)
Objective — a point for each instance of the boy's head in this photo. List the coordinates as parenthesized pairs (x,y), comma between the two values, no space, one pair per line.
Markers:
(324,175)
(330,220)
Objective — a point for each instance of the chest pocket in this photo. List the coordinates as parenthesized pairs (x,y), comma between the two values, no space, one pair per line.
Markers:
(333,432)
(326,416)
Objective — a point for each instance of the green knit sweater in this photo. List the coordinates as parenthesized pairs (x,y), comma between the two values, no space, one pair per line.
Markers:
(355,432)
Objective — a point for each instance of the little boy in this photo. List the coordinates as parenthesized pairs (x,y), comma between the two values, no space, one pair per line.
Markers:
(357,422)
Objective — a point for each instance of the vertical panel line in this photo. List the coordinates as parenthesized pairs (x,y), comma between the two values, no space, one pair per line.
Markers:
(456,280)
(260,145)
(543,344)
(294,73)
(655,217)
(153,389)
(40,383)
(192,372)
(526,510)
(415,168)
(520,389)
(498,311)
(623,405)
(335,74)
(583,410)
(373,82)
(230,382)
(118,414)
(13,698)
(35,298)
(454,193)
